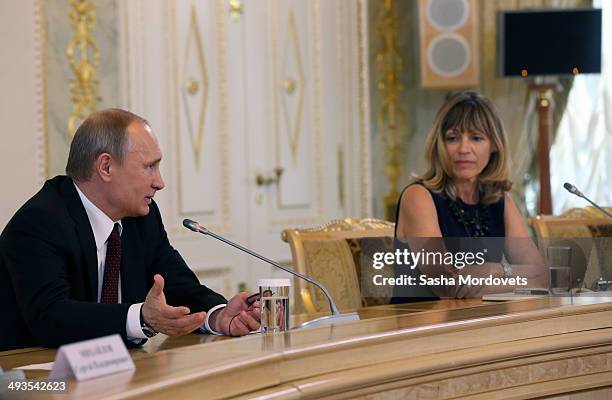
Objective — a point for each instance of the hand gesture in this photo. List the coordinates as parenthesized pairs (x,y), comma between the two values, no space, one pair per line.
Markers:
(172,321)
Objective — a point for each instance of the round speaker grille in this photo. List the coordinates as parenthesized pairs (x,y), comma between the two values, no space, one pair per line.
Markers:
(447,15)
(449,55)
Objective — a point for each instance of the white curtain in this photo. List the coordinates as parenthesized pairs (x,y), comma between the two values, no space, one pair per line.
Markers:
(583,144)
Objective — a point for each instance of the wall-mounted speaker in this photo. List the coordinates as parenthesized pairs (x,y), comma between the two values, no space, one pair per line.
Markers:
(448,43)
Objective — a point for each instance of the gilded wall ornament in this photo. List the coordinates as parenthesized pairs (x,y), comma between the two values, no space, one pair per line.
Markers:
(83,57)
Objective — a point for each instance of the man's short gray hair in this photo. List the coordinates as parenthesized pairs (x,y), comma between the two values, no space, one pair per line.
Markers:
(104,131)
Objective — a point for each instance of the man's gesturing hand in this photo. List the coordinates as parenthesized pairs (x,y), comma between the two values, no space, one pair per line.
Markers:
(172,321)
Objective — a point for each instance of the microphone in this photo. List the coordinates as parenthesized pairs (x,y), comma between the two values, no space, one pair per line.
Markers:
(574,190)
(336,317)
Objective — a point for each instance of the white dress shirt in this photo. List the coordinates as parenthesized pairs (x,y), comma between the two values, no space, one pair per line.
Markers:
(102,227)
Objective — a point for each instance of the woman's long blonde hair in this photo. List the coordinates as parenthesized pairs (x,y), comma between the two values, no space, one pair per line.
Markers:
(468,111)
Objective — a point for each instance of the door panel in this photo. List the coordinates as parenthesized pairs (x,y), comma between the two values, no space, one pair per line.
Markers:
(233,95)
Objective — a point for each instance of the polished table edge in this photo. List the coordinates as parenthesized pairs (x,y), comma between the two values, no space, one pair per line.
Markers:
(417,310)
(239,353)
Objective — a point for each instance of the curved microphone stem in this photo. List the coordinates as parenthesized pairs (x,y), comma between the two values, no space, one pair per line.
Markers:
(194,226)
(573,190)
(603,210)
(318,284)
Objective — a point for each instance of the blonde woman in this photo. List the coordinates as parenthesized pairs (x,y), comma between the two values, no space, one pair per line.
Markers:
(464,194)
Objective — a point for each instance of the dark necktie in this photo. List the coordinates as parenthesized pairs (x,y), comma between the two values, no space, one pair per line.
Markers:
(110,283)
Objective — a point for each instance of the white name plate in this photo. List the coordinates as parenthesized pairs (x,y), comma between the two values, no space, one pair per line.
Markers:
(91,359)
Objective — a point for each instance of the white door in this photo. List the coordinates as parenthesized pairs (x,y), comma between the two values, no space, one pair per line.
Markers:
(237,93)
(303,119)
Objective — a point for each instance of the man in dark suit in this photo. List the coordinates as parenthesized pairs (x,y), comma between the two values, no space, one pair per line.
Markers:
(88,255)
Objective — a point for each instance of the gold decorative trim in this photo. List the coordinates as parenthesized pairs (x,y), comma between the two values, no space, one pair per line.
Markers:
(316,15)
(341,179)
(276,93)
(585,212)
(316,107)
(194,36)
(346,60)
(364,109)
(346,225)
(192,86)
(344,99)
(297,84)
(236,10)
(84,86)
(289,85)
(391,119)
(222,103)
(494,382)
(177,122)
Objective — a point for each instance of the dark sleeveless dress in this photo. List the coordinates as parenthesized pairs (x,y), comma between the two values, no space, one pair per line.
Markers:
(457,237)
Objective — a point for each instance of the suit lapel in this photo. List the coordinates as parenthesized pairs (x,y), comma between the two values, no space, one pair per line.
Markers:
(85,235)
(133,279)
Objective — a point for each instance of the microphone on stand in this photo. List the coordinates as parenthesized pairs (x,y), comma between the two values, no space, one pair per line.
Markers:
(336,317)
(574,190)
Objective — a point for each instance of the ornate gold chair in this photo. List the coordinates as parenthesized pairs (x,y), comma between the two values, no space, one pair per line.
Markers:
(587,231)
(334,254)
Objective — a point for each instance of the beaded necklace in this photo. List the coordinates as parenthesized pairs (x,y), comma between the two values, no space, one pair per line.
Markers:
(475,226)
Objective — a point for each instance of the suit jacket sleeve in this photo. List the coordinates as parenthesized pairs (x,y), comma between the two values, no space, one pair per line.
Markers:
(182,287)
(38,257)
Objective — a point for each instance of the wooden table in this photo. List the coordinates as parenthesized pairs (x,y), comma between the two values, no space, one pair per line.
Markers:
(443,349)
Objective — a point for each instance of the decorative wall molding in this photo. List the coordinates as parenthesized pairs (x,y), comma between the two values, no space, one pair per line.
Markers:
(364,109)
(83,58)
(296,51)
(80,69)
(22,103)
(195,84)
(201,116)
(391,117)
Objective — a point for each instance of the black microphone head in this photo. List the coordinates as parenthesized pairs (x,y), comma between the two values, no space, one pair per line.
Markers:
(572,189)
(191,224)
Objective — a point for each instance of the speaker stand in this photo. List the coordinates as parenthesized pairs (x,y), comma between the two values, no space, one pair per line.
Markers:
(544,107)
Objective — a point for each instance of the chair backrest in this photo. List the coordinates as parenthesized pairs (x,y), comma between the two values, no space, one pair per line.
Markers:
(331,254)
(587,232)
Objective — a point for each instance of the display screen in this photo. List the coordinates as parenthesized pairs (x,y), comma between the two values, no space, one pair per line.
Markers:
(559,42)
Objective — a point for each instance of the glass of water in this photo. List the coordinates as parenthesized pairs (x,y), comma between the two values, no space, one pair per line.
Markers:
(274,304)
(558,259)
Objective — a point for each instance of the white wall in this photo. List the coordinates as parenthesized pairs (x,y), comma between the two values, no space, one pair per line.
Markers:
(144,46)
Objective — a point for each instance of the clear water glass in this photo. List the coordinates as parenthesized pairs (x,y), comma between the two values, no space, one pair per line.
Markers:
(558,260)
(274,304)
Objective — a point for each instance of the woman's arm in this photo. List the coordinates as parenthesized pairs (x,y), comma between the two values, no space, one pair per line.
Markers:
(417,226)
(521,252)
(417,216)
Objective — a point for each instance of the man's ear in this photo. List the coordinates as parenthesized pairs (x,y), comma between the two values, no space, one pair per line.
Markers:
(104,163)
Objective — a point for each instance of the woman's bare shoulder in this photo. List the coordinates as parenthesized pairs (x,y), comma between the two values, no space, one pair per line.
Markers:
(418,215)
(417,194)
